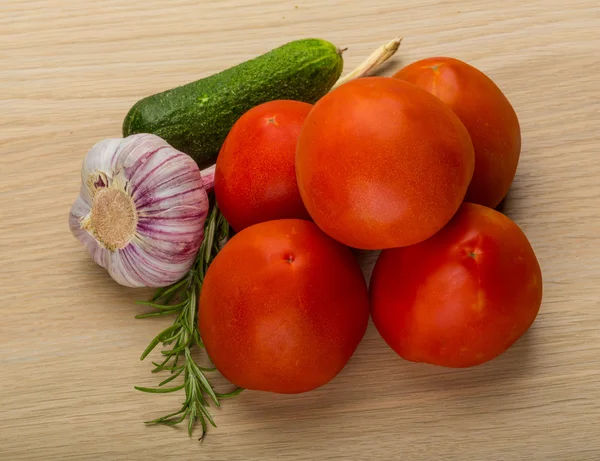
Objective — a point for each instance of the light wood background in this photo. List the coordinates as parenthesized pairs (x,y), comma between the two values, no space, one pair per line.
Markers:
(69,346)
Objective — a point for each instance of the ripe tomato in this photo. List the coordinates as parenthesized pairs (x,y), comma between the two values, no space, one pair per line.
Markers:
(461,297)
(382,163)
(255,178)
(283,307)
(489,117)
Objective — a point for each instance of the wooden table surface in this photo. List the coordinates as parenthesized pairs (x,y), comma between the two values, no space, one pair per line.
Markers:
(70,70)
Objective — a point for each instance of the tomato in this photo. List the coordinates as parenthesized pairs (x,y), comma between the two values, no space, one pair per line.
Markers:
(382,163)
(255,178)
(489,117)
(461,297)
(283,307)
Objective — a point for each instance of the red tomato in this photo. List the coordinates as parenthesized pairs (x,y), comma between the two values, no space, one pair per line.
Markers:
(255,178)
(461,297)
(489,117)
(382,163)
(283,307)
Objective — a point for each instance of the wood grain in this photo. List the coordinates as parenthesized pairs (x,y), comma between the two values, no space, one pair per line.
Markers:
(70,346)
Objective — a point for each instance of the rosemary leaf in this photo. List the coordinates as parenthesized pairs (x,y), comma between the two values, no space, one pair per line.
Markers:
(155,342)
(160,390)
(157,295)
(169,307)
(156,314)
(169,290)
(166,417)
(171,421)
(233,393)
(170,378)
(207,416)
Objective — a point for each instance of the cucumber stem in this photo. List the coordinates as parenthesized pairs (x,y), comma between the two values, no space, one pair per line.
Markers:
(378,57)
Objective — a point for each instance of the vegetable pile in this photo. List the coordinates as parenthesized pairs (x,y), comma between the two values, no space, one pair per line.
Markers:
(241,196)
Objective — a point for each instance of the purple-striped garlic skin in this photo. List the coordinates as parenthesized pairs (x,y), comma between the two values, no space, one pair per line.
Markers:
(141,210)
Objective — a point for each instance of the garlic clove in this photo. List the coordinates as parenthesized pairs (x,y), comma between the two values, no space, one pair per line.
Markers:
(141,210)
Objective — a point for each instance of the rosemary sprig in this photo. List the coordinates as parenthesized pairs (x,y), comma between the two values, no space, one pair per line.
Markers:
(181,299)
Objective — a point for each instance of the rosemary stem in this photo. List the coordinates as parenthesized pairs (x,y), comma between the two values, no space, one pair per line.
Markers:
(180,338)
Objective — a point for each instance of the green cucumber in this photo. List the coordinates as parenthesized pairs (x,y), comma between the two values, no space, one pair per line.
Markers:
(196,118)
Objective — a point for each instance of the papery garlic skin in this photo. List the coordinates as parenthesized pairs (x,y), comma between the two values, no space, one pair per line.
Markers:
(141,210)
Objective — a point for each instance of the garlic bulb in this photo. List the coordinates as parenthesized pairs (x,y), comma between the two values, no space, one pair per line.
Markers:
(141,209)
